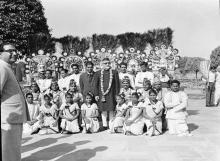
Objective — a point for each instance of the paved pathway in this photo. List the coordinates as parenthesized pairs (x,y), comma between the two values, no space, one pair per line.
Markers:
(204,145)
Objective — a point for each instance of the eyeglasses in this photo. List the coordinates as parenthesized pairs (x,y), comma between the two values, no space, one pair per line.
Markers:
(12,52)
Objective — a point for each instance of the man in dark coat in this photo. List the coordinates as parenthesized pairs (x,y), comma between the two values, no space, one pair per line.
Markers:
(87,80)
(107,86)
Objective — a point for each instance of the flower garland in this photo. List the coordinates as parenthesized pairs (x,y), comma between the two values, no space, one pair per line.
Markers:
(109,85)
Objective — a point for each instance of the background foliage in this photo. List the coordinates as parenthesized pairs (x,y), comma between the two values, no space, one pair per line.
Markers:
(215,57)
(20,20)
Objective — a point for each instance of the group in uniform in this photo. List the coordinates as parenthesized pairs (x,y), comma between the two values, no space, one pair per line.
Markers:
(119,102)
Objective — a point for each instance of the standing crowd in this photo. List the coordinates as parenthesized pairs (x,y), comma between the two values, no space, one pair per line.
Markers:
(90,102)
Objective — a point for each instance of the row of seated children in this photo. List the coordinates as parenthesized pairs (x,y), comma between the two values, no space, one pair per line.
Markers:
(130,116)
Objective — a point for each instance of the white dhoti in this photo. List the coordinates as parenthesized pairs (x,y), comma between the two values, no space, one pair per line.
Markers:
(177,126)
(11,141)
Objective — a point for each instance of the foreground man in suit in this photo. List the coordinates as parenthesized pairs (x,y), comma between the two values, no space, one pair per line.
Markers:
(13,106)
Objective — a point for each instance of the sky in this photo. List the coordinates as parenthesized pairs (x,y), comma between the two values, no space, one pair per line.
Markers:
(196,23)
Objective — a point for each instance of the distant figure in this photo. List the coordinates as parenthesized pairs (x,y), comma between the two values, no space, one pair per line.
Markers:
(210,87)
(14,110)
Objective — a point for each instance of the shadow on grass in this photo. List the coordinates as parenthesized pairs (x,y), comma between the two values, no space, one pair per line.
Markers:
(26,139)
(192,112)
(192,126)
(82,155)
(41,143)
(54,151)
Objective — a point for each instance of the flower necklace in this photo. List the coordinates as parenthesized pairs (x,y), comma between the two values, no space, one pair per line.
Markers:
(109,84)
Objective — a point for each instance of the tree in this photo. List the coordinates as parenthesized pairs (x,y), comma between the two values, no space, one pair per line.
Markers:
(109,42)
(215,57)
(74,44)
(181,64)
(20,20)
(193,64)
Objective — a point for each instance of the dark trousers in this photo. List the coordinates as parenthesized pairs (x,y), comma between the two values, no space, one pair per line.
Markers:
(210,90)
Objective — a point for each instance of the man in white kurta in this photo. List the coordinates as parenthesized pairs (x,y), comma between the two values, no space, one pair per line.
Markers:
(143,74)
(14,110)
(123,74)
(176,102)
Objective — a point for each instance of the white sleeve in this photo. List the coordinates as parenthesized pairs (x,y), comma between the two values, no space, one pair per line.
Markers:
(137,80)
(160,107)
(83,106)
(183,104)
(167,100)
(132,81)
(152,78)
(95,106)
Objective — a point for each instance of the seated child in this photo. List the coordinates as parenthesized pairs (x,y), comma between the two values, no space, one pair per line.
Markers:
(30,126)
(175,102)
(133,121)
(144,92)
(116,124)
(47,119)
(69,112)
(35,90)
(56,93)
(89,111)
(152,114)
(77,96)
(126,89)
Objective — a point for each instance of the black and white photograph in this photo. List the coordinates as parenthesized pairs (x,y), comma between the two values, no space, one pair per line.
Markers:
(110,80)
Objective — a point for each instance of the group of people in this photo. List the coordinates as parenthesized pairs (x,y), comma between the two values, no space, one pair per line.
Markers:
(213,87)
(91,101)
(88,102)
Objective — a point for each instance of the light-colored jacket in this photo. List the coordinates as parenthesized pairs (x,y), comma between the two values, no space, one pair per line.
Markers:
(13,104)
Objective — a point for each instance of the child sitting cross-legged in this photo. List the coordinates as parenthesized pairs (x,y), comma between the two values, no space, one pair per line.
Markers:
(31,126)
(152,114)
(175,103)
(134,121)
(69,112)
(48,117)
(89,112)
(116,124)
